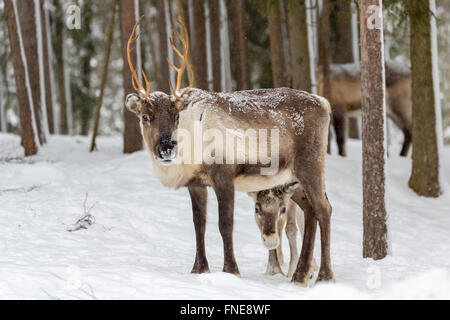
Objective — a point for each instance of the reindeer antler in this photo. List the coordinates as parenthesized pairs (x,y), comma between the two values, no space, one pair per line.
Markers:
(184,39)
(137,85)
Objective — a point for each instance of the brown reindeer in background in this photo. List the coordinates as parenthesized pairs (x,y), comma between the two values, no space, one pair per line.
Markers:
(345,99)
(299,119)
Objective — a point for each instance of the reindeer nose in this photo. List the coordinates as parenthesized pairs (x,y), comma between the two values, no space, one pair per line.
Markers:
(269,233)
(166,147)
(271,240)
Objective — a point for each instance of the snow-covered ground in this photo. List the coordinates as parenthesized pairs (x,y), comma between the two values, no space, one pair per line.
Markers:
(142,243)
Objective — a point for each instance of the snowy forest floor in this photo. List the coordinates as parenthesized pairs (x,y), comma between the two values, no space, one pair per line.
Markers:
(142,243)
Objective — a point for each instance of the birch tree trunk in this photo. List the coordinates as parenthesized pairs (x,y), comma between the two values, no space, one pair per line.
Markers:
(424,178)
(30,142)
(132,134)
(375,243)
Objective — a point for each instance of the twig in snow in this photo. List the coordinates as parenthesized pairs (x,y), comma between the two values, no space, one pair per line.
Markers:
(86,220)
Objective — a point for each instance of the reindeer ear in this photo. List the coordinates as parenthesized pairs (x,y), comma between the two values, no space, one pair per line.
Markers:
(290,187)
(134,103)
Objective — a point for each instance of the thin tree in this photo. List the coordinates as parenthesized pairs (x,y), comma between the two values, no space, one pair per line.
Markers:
(298,40)
(109,38)
(47,69)
(343,52)
(375,243)
(132,135)
(86,51)
(199,46)
(181,14)
(216,46)
(276,44)
(239,52)
(424,178)
(58,20)
(30,139)
(343,32)
(324,52)
(164,73)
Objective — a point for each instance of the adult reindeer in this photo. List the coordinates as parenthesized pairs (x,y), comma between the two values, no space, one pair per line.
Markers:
(297,118)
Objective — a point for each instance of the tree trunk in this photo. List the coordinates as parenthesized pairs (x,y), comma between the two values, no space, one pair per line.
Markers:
(324,54)
(216,49)
(343,52)
(375,243)
(163,84)
(28,129)
(199,46)
(239,54)
(59,56)
(29,36)
(87,51)
(182,15)
(47,71)
(424,178)
(276,45)
(109,38)
(298,39)
(132,132)
(343,32)
(324,48)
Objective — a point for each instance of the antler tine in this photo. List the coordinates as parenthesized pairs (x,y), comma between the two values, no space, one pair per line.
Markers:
(137,84)
(184,39)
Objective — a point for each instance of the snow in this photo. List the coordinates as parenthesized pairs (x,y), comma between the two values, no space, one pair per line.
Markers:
(140,242)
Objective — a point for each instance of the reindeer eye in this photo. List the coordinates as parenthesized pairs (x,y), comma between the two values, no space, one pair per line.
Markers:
(283,210)
(177,117)
(257,210)
(145,118)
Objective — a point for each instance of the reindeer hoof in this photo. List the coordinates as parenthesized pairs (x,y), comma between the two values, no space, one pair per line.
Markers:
(301,278)
(231,269)
(273,272)
(325,277)
(200,268)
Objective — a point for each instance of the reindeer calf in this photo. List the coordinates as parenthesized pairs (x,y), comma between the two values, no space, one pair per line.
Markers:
(273,211)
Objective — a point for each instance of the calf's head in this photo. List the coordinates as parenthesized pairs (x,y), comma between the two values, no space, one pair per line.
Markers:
(270,211)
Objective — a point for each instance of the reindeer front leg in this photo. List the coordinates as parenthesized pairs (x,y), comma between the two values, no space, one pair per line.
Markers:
(199,196)
(224,188)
